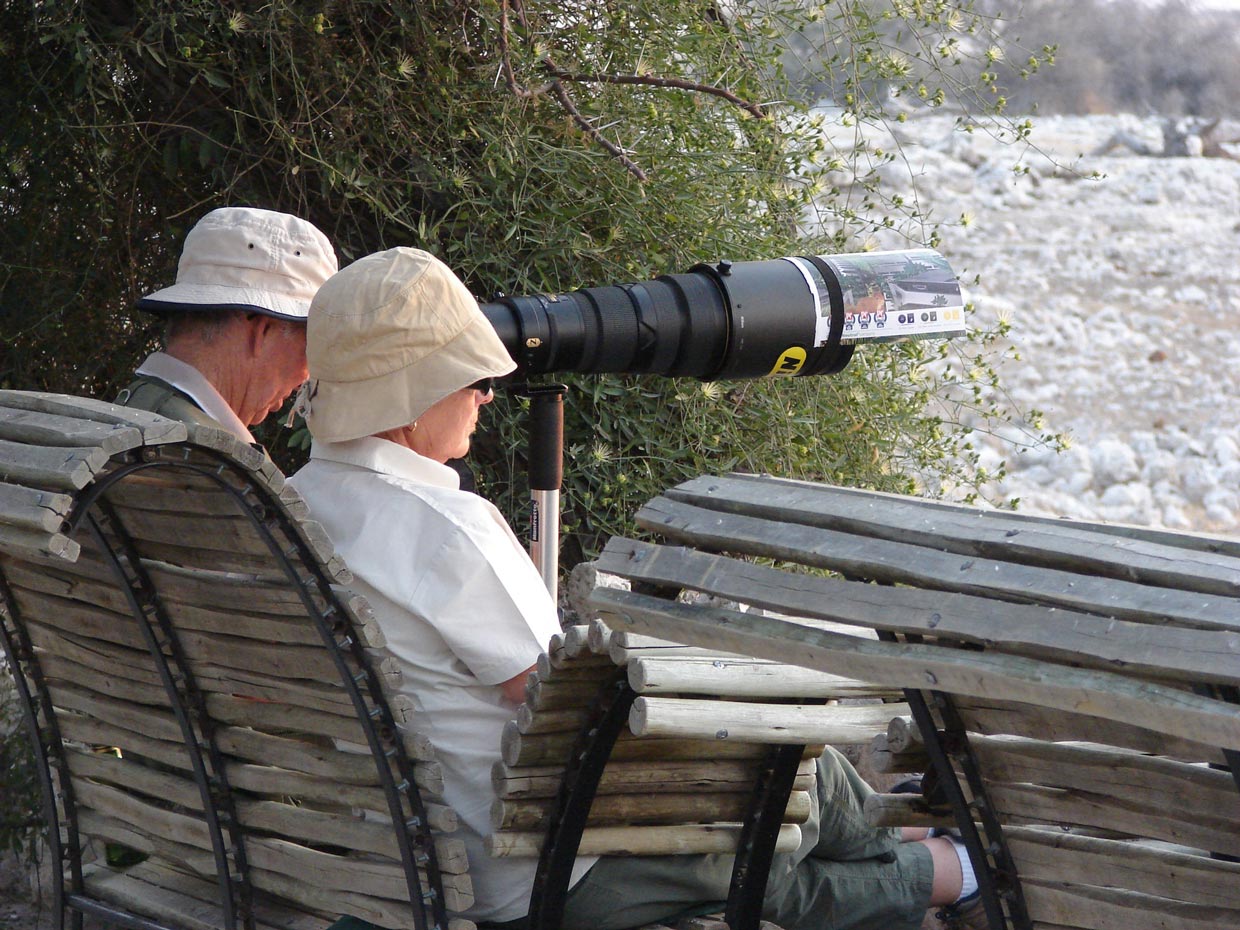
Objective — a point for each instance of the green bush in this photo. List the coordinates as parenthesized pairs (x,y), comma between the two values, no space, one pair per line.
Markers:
(536,147)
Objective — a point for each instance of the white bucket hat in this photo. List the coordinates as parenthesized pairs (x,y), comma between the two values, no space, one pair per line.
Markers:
(242,258)
(389,336)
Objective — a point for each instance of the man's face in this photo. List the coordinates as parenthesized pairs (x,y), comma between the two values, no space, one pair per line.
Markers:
(277,366)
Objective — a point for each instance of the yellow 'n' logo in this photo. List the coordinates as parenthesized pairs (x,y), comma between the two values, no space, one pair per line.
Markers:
(789,361)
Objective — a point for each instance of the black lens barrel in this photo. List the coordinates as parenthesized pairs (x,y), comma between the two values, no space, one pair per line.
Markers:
(729,320)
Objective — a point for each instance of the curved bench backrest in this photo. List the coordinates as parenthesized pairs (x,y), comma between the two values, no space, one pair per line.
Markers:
(202,693)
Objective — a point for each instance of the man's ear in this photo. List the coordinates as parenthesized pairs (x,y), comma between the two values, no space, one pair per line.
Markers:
(258,331)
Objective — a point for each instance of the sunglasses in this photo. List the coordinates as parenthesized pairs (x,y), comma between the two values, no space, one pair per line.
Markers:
(485,386)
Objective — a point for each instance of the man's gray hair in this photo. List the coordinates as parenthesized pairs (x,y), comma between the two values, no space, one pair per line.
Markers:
(198,326)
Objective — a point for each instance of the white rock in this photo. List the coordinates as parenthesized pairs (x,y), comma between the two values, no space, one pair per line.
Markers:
(1114,463)
(1221,516)
(1174,517)
(1224,450)
(1134,495)
(1160,465)
(1191,294)
(1198,477)
(1229,475)
(1222,498)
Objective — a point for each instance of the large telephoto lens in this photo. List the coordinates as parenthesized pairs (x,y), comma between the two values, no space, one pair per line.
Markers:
(782,317)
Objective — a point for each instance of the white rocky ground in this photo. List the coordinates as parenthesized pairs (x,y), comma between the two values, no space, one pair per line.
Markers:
(1122,294)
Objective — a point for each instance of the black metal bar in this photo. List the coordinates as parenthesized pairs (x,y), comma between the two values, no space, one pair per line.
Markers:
(992,863)
(49,751)
(755,849)
(608,714)
(189,708)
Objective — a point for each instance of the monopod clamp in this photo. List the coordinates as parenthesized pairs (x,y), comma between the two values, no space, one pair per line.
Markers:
(545,462)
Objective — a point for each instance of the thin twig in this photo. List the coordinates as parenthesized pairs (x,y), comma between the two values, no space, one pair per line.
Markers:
(562,95)
(680,83)
(555,86)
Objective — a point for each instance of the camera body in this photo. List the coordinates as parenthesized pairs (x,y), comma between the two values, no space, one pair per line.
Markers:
(785,317)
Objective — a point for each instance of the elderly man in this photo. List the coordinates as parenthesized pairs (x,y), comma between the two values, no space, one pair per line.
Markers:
(235,337)
(401,362)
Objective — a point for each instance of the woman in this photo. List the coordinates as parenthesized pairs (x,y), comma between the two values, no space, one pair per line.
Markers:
(400,361)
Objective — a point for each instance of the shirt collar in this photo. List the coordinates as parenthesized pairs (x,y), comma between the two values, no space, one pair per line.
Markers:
(190,381)
(387,458)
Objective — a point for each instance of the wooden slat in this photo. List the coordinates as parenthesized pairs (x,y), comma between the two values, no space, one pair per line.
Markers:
(278,784)
(1074,905)
(154,722)
(542,695)
(156,900)
(1200,792)
(1105,695)
(646,809)
(995,716)
(900,563)
(1064,546)
(32,509)
(154,428)
(642,841)
(59,672)
(549,721)
(46,429)
(281,766)
(78,619)
(103,658)
(1152,648)
(292,872)
(742,678)
(904,736)
(280,628)
(1081,807)
(374,876)
(252,459)
(781,724)
(173,491)
(69,581)
(1006,518)
(95,733)
(1043,855)
(517,748)
(636,777)
(24,543)
(61,469)
(268,593)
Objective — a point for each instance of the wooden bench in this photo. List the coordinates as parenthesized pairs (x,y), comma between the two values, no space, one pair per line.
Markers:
(1074,685)
(205,692)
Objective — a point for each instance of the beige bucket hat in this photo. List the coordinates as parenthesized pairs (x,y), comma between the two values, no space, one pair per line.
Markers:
(388,337)
(243,258)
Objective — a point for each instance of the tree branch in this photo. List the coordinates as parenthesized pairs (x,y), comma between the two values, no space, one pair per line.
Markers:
(679,83)
(556,87)
(586,126)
